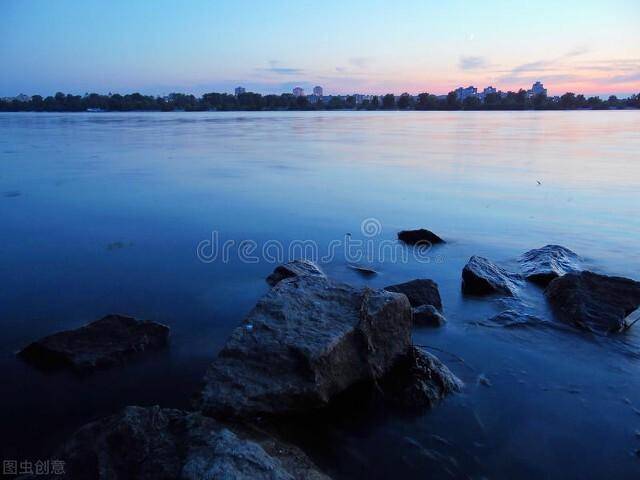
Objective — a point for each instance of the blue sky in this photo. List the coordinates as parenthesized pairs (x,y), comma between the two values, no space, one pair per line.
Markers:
(370,46)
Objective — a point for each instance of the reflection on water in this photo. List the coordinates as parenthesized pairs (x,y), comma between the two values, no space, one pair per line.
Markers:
(560,405)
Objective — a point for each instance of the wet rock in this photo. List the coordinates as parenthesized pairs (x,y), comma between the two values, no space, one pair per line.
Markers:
(153,443)
(103,343)
(594,302)
(542,265)
(420,292)
(482,277)
(514,319)
(423,236)
(310,339)
(364,271)
(428,316)
(419,380)
(295,268)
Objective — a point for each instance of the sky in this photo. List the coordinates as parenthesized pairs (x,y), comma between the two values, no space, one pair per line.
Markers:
(352,46)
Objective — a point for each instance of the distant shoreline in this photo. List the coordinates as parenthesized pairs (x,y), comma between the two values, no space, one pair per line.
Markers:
(246,102)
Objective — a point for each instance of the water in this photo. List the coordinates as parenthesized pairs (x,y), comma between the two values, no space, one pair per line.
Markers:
(104,213)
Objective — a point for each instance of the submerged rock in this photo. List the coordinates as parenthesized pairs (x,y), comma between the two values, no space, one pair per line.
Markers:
(594,302)
(421,291)
(419,380)
(421,235)
(295,268)
(103,343)
(305,341)
(482,277)
(429,316)
(513,319)
(542,265)
(361,269)
(153,443)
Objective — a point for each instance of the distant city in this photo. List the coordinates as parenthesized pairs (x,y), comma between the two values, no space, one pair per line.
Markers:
(461,93)
(462,98)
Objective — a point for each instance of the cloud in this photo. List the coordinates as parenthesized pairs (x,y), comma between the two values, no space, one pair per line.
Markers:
(627,78)
(472,63)
(576,52)
(553,68)
(276,67)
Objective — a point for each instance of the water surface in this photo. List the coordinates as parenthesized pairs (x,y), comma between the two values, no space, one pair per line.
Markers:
(104,213)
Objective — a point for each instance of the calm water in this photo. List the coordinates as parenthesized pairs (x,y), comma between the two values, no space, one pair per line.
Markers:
(103,213)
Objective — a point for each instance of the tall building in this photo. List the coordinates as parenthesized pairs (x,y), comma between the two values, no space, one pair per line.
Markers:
(317,91)
(298,92)
(537,89)
(239,91)
(462,93)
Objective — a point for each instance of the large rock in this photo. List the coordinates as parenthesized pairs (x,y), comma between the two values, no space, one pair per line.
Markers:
(420,292)
(152,443)
(482,277)
(542,265)
(422,236)
(305,341)
(428,316)
(295,268)
(594,302)
(105,342)
(419,380)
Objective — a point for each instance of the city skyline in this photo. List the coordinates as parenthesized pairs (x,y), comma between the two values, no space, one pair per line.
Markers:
(414,46)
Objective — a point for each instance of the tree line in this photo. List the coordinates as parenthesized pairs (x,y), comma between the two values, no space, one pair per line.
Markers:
(248,101)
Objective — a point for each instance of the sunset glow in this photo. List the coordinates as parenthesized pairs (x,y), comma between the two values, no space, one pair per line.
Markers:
(357,46)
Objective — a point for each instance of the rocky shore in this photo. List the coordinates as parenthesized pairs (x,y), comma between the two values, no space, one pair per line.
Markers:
(307,341)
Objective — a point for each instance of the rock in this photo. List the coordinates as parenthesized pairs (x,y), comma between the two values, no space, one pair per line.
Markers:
(421,235)
(419,380)
(365,271)
(542,265)
(310,339)
(482,277)
(594,302)
(483,380)
(295,268)
(429,316)
(153,443)
(103,343)
(514,319)
(421,291)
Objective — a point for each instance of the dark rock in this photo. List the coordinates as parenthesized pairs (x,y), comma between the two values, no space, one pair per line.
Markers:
(304,342)
(365,271)
(429,316)
(421,291)
(295,268)
(514,319)
(594,302)
(482,277)
(421,235)
(542,265)
(153,443)
(102,343)
(418,380)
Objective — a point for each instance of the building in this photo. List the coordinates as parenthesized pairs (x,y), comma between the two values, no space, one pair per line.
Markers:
(537,89)
(317,90)
(298,92)
(487,91)
(239,91)
(463,93)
